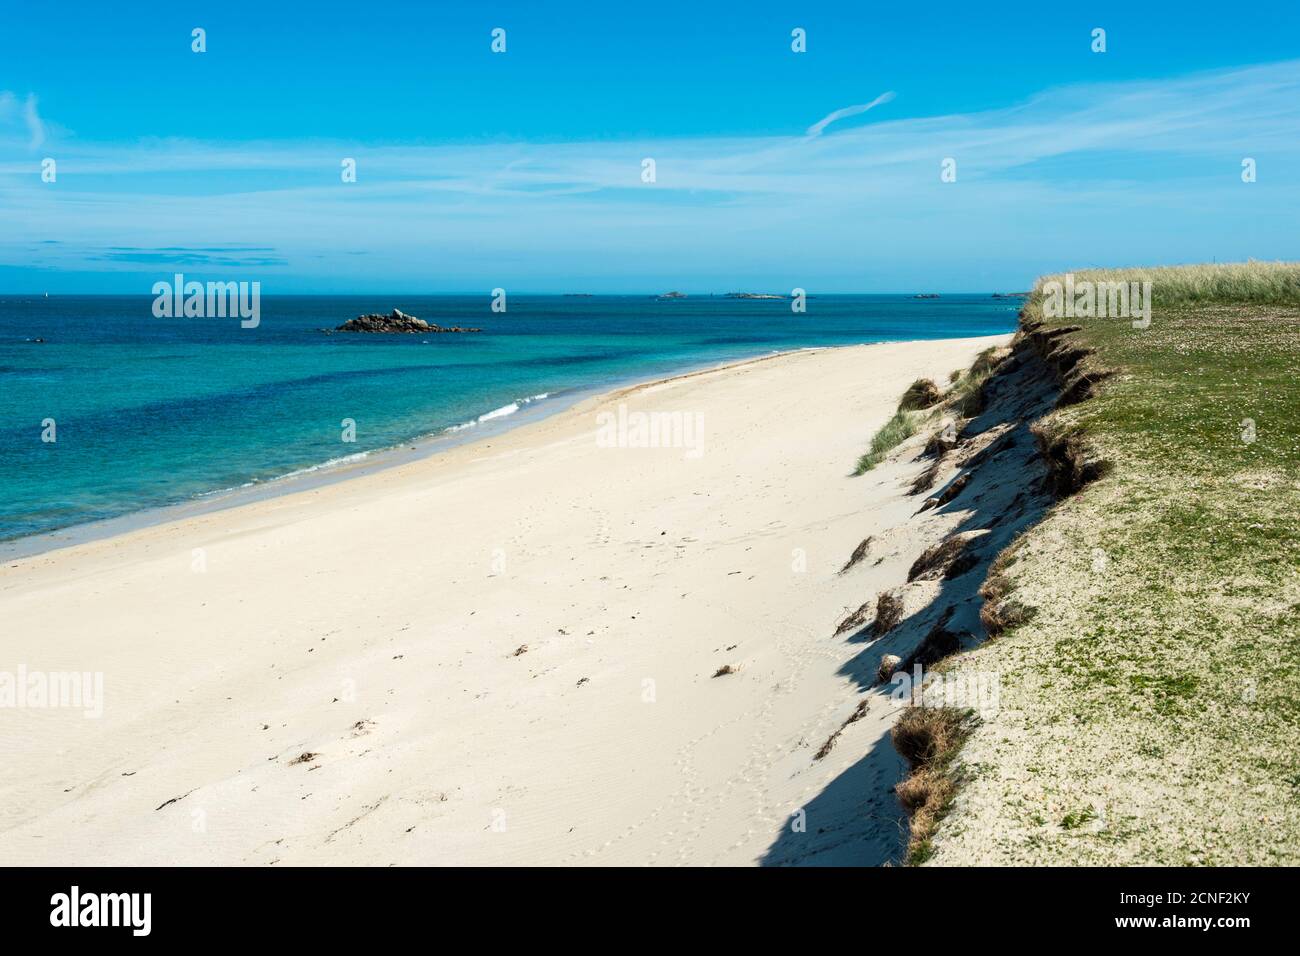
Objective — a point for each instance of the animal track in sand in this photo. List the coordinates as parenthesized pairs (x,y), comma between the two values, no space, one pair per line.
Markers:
(800,649)
(518,543)
(602,536)
(797,650)
(365,812)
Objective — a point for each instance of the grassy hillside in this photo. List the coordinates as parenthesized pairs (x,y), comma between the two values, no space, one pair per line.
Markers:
(1150,706)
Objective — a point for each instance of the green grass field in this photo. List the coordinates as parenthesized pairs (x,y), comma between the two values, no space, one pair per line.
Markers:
(1150,709)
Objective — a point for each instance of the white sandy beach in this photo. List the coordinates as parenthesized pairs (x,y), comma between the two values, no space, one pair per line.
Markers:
(373,625)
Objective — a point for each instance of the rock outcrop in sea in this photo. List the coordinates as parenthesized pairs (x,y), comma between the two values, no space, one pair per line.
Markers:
(396,322)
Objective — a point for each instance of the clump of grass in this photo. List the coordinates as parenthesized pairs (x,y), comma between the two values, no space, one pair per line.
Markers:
(922,735)
(1077,818)
(1000,612)
(892,434)
(987,361)
(889,611)
(928,738)
(724,670)
(968,398)
(922,393)
(1252,282)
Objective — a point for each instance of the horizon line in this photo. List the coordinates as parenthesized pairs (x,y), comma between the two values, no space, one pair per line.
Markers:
(555,295)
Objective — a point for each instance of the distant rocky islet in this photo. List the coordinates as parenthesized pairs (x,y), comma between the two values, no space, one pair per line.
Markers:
(396,322)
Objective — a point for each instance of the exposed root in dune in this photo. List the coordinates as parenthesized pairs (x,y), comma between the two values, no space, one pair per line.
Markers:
(1071,464)
(950,558)
(857,715)
(858,554)
(925,480)
(953,489)
(937,644)
(940,443)
(854,620)
(167,803)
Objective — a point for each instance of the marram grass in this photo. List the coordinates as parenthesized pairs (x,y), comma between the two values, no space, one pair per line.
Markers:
(892,434)
(1229,283)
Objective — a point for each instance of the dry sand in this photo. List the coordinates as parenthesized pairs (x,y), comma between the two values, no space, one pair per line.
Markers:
(373,627)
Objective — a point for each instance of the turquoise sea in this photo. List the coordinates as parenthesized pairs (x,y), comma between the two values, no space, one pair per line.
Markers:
(150,412)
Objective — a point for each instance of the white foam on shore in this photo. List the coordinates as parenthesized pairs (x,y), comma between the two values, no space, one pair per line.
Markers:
(501,412)
(331,463)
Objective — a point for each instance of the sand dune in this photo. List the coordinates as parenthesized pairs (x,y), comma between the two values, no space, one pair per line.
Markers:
(501,654)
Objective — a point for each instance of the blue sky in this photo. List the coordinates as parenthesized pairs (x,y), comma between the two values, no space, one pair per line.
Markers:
(523,169)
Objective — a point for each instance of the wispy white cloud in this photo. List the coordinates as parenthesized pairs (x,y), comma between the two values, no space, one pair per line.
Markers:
(816,128)
(11,114)
(33,120)
(1081,175)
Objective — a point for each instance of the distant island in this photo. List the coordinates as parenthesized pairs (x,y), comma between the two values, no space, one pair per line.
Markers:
(396,322)
(926,295)
(726,295)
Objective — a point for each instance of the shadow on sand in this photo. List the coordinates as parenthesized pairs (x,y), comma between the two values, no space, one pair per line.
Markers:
(856,819)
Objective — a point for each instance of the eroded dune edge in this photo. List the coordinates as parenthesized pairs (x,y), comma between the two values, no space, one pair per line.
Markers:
(1143,622)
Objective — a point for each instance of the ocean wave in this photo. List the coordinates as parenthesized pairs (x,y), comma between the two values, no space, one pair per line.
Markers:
(501,412)
(331,463)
